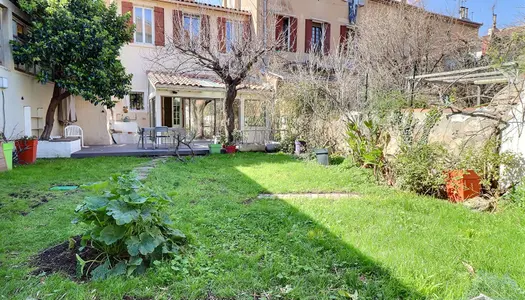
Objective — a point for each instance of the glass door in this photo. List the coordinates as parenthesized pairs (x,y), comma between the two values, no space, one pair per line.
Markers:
(177,112)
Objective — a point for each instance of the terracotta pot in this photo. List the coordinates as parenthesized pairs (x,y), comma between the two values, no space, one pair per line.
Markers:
(230,149)
(26,151)
(462,185)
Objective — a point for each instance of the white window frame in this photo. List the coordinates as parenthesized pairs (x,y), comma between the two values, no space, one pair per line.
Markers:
(288,34)
(144,25)
(144,102)
(236,29)
(322,37)
(192,18)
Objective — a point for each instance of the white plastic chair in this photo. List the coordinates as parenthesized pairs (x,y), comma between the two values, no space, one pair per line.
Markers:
(74,131)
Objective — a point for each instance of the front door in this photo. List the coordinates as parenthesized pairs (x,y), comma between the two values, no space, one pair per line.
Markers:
(171,112)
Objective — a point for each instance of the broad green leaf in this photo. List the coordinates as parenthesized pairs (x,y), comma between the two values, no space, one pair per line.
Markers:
(135,198)
(122,212)
(147,243)
(118,269)
(95,203)
(133,245)
(111,233)
(135,261)
(101,272)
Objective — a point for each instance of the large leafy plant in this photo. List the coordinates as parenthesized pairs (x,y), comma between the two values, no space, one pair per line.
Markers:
(129,226)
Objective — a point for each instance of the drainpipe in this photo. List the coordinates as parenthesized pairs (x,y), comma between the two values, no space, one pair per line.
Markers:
(265,31)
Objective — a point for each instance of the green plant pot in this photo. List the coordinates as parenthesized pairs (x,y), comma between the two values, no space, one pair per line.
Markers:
(215,148)
(8,154)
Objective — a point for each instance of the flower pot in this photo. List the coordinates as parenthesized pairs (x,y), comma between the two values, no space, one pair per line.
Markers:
(8,154)
(231,149)
(26,151)
(462,185)
(215,148)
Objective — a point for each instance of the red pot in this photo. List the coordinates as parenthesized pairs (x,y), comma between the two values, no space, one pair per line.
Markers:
(26,151)
(462,185)
(230,149)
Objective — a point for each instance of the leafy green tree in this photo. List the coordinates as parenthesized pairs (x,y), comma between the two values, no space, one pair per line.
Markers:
(75,45)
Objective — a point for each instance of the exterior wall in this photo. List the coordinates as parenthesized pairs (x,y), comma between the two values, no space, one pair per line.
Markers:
(94,121)
(23,89)
(137,58)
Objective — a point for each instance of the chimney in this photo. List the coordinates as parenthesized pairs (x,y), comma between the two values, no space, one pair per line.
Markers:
(463,13)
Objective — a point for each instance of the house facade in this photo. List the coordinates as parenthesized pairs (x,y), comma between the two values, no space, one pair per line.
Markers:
(159,95)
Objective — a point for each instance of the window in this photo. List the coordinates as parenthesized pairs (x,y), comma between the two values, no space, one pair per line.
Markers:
(317,37)
(136,101)
(19,34)
(254,113)
(287,34)
(233,33)
(143,25)
(192,27)
(177,109)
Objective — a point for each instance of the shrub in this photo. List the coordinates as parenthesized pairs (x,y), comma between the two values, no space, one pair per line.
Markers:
(421,168)
(496,170)
(129,226)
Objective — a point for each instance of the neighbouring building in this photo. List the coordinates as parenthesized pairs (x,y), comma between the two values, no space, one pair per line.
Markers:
(160,97)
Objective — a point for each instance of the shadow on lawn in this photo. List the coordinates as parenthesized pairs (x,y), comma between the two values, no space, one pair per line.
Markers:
(267,246)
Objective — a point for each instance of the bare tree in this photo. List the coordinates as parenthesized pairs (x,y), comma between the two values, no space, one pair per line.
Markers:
(227,48)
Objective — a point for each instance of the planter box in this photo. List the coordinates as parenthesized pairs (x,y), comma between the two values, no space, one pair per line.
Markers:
(462,185)
(58,148)
(7,149)
(26,151)
(215,148)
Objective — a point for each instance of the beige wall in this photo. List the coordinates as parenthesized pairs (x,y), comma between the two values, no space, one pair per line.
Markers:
(139,58)
(23,90)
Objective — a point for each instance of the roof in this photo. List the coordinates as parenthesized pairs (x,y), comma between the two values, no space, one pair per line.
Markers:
(197,81)
(212,6)
(467,22)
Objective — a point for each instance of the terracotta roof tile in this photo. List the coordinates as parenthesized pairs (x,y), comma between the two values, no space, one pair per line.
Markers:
(196,80)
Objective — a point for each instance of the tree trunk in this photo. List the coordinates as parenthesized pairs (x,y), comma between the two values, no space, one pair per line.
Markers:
(58,95)
(200,106)
(229,114)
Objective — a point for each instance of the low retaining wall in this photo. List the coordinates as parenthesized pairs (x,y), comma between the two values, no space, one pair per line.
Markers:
(58,148)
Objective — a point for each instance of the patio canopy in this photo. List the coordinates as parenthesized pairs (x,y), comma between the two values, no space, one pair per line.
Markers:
(200,82)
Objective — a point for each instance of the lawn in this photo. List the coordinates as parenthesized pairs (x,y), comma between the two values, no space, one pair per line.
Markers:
(383,244)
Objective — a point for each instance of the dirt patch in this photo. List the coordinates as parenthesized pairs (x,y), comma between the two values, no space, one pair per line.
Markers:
(62,258)
(34,199)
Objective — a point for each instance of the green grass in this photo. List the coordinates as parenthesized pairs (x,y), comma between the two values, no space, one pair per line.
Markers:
(385,244)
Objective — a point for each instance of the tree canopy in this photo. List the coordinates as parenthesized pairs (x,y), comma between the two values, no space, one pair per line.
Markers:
(75,44)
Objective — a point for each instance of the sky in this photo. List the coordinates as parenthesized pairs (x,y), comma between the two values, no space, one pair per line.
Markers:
(510,12)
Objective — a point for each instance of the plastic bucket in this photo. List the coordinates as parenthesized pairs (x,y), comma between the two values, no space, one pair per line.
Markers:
(8,154)
(322,156)
(215,148)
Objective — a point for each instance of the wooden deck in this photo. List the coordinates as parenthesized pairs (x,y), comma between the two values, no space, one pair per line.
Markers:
(199,147)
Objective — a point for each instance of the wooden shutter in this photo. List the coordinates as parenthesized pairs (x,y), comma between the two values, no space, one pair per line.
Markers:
(279,26)
(160,39)
(293,34)
(205,29)
(247,30)
(308,36)
(343,35)
(327,38)
(127,7)
(221,23)
(177,25)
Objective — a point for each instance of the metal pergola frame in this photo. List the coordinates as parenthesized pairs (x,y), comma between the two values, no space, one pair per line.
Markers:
(505,73)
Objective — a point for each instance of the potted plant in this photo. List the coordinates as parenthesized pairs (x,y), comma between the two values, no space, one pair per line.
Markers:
(462,185)
(230,147)
(7,148)
(26,149)
(215,147)
(125,109)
